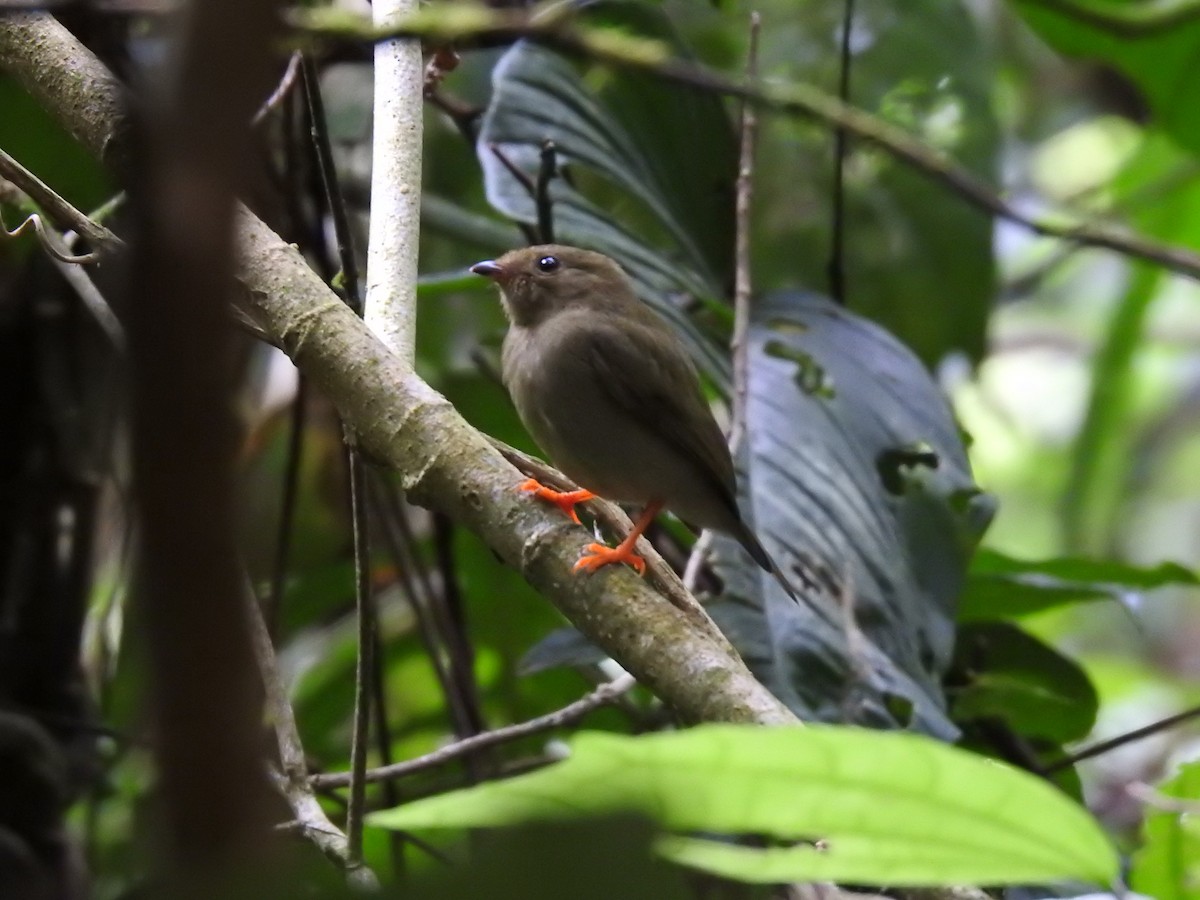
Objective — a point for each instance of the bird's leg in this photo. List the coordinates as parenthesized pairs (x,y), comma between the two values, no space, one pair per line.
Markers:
(564,500)
(598,555)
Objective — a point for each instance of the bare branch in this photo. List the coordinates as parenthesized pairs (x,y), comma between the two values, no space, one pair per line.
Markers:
(1121,740)
(541,195)
(391,301)
(742,286)
(364,607)
(93,301)
(837,245)
(796,98)
(66,216)
(292,780)
(363,601)
(441,461)
(50,242)
(568,715)
(286,83)
(1146,794)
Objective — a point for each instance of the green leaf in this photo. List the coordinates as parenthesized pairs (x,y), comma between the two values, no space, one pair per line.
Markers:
(856,481)
(931,814)
(1006,674)
(1162,62)
(1168,865)
(1108,460)
(1000,586)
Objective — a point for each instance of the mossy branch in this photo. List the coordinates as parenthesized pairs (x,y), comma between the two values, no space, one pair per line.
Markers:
(441,460)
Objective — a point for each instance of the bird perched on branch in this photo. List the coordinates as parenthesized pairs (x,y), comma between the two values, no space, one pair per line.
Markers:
(609,393)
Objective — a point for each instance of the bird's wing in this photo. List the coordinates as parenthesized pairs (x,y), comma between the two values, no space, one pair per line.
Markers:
(648,375)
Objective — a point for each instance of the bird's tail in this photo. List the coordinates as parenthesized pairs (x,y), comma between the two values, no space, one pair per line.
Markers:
(758,553)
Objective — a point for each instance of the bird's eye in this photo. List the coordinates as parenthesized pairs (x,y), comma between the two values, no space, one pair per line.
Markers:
(548,263)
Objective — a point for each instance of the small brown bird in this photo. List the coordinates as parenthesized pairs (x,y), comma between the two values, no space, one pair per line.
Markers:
(609,393)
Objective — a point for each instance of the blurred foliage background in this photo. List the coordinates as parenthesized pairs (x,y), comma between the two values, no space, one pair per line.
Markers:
(1075,373)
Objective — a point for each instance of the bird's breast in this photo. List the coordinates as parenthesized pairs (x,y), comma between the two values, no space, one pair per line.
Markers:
(571,417)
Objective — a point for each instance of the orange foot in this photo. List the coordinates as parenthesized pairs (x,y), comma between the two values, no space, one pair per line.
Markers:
(599,555)
(564,500)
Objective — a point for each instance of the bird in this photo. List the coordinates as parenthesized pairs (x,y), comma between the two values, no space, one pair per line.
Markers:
(610,394)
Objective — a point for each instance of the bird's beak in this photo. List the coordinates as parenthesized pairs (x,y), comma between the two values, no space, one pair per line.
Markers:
(489,268)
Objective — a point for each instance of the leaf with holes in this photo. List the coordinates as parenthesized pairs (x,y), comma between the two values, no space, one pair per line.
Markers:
(855,478)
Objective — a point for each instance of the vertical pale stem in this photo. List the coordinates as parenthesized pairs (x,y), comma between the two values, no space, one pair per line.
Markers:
(391,298)
(741,277)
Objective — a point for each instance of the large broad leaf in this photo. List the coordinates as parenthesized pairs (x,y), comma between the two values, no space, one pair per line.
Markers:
(833,803)
(1168,866)
(1000,586)
(1164,62)
(665,154)
(855,479)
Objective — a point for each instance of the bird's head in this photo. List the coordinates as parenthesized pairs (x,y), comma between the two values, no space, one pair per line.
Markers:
(538,282)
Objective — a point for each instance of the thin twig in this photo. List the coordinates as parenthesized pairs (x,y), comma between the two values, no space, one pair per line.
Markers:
(514,170)
(531,234)
(363,600)
(504,26)
(66,216)
(333,190)
(294,112)
(415,583)
(837,250)
(450,618)
(464,116)
(742,284)
(1122,739)
(287,507)
(364,608)
(1146,794)
(49,240)
(383,745)
(436,623)
(93,301)
(547,170)
(292,780)
(60,250)
(286,83)
(573,712)
(696,560)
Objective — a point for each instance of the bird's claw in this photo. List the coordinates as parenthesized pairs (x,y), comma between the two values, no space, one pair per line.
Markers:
(564,500)
(599,555)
